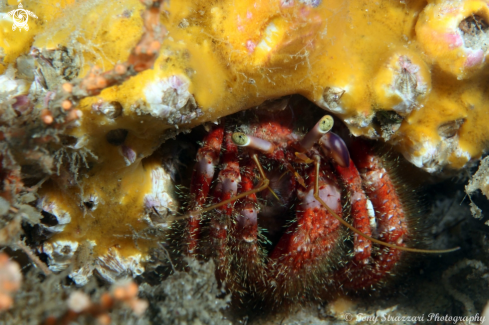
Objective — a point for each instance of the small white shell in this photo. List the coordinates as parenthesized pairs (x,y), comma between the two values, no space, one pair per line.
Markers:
(167,95)
(59,253)
(50,206)
(160,199)
(112,266)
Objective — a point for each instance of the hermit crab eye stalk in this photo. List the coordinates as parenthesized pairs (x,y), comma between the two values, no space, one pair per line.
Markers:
(322,127)
(244,140)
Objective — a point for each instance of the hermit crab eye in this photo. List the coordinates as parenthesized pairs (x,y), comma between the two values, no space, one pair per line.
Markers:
(240,139)
(325,124)
(244,140)
(322,127)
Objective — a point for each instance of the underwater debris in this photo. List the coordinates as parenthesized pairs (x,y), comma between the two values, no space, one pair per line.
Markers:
(80,305)
(49,301)
(479,269)
(188,297)
(479,181)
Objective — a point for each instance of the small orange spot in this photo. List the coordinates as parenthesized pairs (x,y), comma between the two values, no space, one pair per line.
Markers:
(132,290)
(96,69)
(51,320)
(100,82)
(47,119)
(104,319)
(106,300)
(120,69)
(67,87)
(73,115)
(341,305)
(119,293)
(66,104)
(5,301)
(154,46)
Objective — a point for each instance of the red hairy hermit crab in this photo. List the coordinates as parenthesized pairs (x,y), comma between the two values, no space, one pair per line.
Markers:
(289,215)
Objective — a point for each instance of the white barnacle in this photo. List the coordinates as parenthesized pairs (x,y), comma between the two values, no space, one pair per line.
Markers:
(167,95)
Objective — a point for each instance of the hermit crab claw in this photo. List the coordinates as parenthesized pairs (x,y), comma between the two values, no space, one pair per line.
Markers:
(243,140)
(322,127)
(334,146)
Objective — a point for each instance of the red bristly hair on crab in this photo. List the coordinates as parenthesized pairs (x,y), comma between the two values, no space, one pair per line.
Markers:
(309,260)
(389,207)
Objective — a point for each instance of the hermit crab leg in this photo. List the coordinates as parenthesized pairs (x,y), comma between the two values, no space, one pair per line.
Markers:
(248,264)
(311,242)
(361,210)
(247,219)
(220,223)
(225,189)
(264,184)
(346,224)
(207,159)
(229,176)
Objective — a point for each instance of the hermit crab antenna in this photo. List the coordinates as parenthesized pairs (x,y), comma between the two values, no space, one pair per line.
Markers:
(322,127)
(358,232)
(244,140)
(333,145)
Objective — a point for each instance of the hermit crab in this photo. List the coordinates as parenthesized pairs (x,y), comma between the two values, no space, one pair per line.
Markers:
(290,215)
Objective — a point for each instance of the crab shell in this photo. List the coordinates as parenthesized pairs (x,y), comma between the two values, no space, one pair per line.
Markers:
(306,256)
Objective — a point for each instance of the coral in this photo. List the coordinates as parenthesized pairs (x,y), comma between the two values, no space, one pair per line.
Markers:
(416,83)
(454,35)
